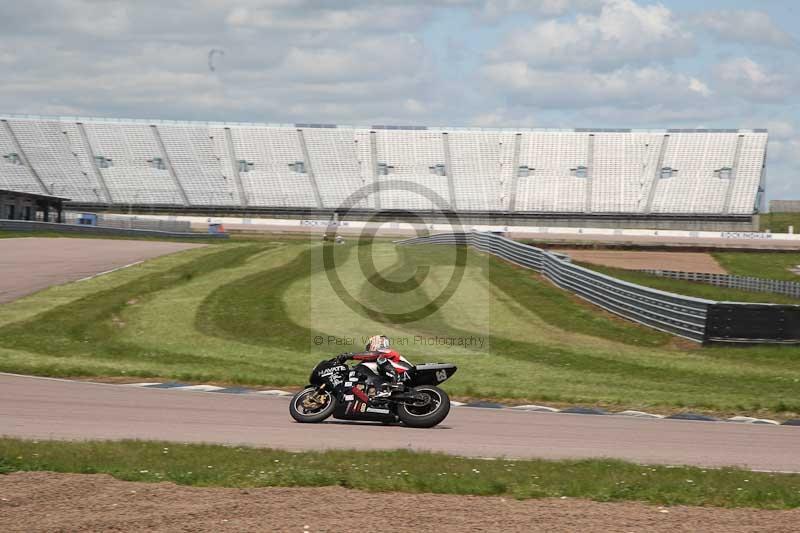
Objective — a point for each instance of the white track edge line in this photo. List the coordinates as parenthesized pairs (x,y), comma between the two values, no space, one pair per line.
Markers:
(110,271)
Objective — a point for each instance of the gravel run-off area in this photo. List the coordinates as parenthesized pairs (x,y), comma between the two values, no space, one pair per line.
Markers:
(43,501)
(631,260)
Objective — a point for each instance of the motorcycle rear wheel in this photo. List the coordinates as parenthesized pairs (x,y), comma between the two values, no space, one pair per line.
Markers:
(307,416)
(428,415)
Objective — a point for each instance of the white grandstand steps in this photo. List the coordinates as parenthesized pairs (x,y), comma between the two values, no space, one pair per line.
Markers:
(131,148)
(334,158)
(166,161)
(552,185)
(309,169)
(191,152)
(515,174)
(46,145)
(714,172)
(18,172)
(82,148)
(407,161)
(271,181)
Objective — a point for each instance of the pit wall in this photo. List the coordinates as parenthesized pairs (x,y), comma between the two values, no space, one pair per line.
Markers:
(25,225)
(632,236)
(516,219)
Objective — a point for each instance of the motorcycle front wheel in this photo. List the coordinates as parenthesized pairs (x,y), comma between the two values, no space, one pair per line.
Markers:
(310,405)
(425,414)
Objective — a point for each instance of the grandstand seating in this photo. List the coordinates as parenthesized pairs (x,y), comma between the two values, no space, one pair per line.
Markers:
(14,175)
(623,166)
(552,185)
(335,164)
(481,166)
(582,171)
(694,189)
(411,157)
(271,181)
(193,157)
(46,144)
(131,176)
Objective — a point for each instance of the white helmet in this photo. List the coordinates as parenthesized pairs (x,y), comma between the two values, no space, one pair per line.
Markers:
(377,342)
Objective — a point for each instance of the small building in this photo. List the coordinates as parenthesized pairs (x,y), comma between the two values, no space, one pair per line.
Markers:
(17,205)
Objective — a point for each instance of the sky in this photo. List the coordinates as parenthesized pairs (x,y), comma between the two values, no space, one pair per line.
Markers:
(486,63)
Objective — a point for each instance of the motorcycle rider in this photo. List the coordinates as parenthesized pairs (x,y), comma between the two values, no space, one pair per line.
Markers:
(389,363)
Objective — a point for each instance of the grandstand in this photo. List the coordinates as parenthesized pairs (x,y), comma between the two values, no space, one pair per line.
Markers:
(689,179)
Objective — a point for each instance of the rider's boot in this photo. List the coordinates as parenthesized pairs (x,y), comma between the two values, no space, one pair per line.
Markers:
(387,388)
(390,385)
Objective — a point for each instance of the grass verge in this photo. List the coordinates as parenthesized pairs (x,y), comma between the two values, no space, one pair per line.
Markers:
(769,265)
(247,313)
(693,288)
(780,222)
(404,471)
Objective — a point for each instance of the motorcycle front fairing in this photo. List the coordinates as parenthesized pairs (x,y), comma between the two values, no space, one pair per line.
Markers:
(353,395)
(432,373)
(329,373)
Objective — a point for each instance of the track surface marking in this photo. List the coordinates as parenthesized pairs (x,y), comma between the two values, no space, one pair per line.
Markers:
(30,264)
(46,408)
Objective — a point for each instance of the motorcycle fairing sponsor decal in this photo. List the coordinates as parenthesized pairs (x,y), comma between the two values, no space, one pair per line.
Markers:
(349,397)
(360,395)
(377,410)
(331,370)
(441,375)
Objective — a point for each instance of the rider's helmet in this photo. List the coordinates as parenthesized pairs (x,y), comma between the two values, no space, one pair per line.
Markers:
(377,342)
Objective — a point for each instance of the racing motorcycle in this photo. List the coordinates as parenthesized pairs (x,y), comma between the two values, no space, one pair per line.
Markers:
(349,393)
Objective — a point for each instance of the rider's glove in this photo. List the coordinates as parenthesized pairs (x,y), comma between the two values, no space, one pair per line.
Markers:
(342,357)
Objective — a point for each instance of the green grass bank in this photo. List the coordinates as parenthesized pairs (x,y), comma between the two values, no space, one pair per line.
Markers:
(404,471)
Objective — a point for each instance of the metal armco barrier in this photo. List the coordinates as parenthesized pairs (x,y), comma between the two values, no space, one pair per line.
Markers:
(680,315)
(745,283)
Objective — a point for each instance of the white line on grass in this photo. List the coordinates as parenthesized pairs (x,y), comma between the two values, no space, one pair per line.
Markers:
(110,271)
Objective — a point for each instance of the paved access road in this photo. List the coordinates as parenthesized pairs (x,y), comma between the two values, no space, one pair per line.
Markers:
(47,408)
(30,264)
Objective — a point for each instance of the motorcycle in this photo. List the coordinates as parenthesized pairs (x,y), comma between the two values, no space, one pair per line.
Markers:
(349,393)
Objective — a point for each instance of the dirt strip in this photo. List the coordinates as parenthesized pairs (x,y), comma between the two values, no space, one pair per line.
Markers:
(681,261)
(43,501)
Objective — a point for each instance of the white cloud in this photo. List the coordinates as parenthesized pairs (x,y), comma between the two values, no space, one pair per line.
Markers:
(624,87)
(780,129)
(744,77)
(499,8)
(306,16)
(504,117)
(624,32)
(699,87)
(744,26)
(365,59)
